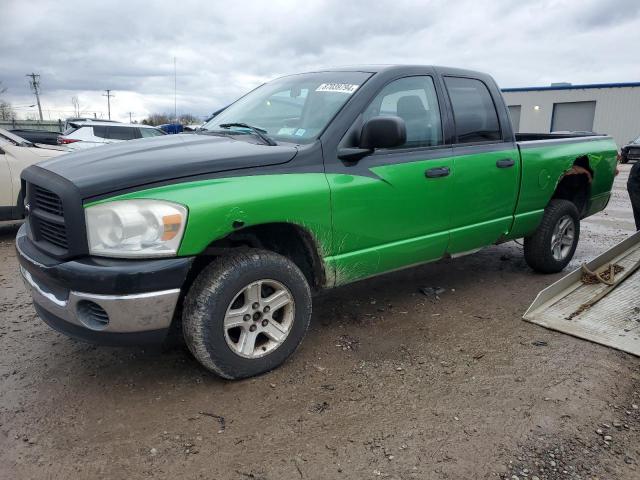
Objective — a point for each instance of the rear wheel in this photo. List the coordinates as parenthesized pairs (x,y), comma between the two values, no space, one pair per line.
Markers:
(246,313)
(552,245)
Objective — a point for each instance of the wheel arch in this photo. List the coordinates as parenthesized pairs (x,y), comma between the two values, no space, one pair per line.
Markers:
(288,239)
(575,184)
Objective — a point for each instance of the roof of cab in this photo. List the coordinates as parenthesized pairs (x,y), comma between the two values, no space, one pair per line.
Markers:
(399,68)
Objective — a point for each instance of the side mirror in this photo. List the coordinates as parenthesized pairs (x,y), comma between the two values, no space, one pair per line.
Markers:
(377,132)
(383,132)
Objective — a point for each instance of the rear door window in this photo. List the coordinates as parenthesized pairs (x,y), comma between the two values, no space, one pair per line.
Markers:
(122,133)
(150,132)
(474,112)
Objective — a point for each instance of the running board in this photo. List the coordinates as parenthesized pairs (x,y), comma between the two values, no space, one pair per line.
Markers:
(601,313)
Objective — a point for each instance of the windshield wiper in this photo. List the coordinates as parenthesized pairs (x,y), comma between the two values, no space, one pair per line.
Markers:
(260,132)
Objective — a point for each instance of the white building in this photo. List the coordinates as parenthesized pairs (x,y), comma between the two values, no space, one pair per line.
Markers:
(611,108)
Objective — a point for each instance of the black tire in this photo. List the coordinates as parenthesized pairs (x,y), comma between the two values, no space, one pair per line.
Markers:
(538,247)
(213,292)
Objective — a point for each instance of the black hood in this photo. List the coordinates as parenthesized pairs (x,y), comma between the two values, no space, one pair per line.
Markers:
(119,166)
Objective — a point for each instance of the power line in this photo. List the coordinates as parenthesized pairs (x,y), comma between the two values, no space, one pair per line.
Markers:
(108,95)
(35,86)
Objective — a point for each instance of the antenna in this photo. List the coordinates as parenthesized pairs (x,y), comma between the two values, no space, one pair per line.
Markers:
(108,95)
(35,86)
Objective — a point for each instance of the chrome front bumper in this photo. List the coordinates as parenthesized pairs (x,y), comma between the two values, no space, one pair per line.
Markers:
(134,313)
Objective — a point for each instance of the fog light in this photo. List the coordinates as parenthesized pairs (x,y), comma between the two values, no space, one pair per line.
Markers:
(92,315)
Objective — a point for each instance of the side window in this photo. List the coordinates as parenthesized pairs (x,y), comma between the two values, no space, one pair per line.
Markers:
(122,133)
(149,132)
(474,112)
(414,100)
(100,132)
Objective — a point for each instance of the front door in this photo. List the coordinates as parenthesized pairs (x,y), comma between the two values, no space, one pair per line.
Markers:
(391,208)
(486,165)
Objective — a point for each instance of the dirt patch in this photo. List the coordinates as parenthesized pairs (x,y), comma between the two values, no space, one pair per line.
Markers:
(389,383)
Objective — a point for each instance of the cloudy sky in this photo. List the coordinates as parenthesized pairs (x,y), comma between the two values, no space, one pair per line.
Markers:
(224,48)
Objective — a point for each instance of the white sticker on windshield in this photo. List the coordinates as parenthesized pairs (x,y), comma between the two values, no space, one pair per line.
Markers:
(347,88)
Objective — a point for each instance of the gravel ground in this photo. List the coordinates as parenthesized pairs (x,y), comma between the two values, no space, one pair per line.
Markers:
(389,383)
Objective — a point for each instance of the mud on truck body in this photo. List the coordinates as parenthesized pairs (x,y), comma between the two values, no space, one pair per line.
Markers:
(308,182)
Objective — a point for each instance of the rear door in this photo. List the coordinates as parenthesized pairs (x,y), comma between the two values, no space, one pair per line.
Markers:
(486,164)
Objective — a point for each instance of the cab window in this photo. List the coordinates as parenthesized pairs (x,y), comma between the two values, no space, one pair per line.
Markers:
(413,99)
(474,112)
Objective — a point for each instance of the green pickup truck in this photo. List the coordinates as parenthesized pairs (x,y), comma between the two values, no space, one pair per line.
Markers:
(308,182)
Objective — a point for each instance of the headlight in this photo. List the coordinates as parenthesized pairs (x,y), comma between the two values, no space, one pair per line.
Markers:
(135,228)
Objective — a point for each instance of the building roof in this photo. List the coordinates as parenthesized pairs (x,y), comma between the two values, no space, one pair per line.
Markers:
(572,87)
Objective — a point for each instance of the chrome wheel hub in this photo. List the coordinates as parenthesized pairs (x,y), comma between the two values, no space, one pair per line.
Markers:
(562,238)
(259,318)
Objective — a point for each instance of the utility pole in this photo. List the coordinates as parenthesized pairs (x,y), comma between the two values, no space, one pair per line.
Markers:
(108,95)
(35,86)
(175,91)
(130,113)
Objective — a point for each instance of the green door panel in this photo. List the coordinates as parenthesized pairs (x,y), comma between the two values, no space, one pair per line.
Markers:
(483,198)
(389,216)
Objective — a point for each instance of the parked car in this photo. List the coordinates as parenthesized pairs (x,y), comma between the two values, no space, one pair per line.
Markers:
(89,134)
(631,151)
(70,120)
(171,128)
(229,231)
(45,137)
(16,153)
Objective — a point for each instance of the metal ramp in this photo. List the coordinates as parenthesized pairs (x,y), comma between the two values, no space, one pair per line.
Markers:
(605,314)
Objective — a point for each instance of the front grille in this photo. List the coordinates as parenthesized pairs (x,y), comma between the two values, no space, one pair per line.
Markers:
(53,233)
(47,201)
(47,220)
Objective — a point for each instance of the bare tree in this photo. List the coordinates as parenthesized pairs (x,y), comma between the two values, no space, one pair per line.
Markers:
(188,118)
(157,119)
(6,112)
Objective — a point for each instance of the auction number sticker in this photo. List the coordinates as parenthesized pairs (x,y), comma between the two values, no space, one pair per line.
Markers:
(347,88)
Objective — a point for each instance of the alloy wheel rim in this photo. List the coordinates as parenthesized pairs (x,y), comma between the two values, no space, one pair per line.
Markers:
(562,238)
(259,318)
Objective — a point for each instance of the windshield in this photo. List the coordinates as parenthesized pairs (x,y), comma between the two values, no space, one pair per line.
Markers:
(295,109)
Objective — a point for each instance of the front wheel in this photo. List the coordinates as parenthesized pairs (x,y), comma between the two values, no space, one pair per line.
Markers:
(552,245)
(246,313)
